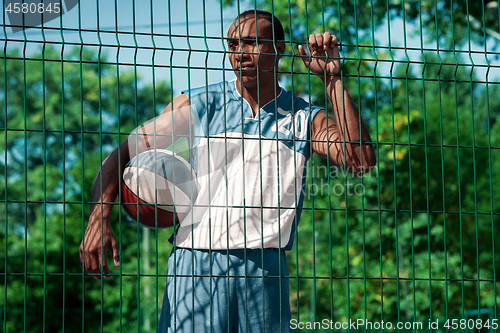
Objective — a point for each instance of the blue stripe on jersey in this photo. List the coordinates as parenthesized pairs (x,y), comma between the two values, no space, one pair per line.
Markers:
(226,113)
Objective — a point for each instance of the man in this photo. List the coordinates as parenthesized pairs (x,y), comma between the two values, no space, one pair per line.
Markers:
(227,271)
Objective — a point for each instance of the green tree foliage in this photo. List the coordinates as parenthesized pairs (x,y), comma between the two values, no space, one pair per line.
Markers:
(62,119)
(420,241)
(355,21)
(470,19)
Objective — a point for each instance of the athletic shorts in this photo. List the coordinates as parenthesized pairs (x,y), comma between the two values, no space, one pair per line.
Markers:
(226,291)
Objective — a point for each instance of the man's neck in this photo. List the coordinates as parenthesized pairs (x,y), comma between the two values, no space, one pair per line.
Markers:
(258,96)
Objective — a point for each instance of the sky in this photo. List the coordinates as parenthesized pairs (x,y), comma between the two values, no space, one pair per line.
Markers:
(130,14)
(200,20)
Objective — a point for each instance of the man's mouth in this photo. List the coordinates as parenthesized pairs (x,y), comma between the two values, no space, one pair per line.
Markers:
(245,67)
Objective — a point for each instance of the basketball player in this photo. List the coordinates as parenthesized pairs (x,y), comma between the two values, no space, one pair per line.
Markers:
(228,271)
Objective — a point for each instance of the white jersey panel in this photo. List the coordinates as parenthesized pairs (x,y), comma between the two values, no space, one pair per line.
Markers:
(253,200)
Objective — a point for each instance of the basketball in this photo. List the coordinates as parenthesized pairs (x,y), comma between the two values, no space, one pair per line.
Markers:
(158,188)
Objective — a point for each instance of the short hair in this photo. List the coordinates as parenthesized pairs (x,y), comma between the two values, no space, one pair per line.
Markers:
(279,34)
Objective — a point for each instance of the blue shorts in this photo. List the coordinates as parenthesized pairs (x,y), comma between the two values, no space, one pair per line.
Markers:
(234,291)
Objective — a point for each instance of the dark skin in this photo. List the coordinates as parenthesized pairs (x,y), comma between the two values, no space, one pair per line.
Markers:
(254,61)
(254,58)
(339,137)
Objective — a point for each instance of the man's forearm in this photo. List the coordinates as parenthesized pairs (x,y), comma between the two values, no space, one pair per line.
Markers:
(107,182)
(349,125)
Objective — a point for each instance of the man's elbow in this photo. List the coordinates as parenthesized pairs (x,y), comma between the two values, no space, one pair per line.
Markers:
(369,160)
(363,163)
(368,165)
(360,169)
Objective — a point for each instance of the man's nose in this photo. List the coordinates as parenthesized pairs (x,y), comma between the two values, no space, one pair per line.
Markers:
(242,54)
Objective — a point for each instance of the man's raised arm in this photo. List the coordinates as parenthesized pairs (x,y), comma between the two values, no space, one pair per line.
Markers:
(339,138)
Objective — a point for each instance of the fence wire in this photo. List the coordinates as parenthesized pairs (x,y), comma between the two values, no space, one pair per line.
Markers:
(410,245)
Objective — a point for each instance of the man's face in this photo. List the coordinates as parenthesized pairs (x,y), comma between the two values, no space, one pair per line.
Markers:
(249,53)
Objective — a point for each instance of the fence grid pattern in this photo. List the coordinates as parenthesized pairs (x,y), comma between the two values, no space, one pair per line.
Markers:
(413,240)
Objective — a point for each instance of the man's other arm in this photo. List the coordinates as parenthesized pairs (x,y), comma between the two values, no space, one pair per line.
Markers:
(99,238)
(344,139)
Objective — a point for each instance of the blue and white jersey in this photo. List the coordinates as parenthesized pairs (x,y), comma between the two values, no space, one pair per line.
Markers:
(250,170)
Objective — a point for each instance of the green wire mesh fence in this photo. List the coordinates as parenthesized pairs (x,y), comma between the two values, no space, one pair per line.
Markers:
(410,246)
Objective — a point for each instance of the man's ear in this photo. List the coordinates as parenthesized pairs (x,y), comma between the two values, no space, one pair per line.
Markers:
(280,47)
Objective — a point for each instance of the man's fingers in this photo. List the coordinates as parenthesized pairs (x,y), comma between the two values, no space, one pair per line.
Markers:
(81,253)
(333,41)
(312,42)
(116,252)
(87,261)
(319,41)
(327,38)
(93,254)
(93,266)
(104,264)
(304,56)
(301,50)
(324,54)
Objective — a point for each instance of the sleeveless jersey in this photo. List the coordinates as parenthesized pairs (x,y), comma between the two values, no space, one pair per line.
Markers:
(250,170)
